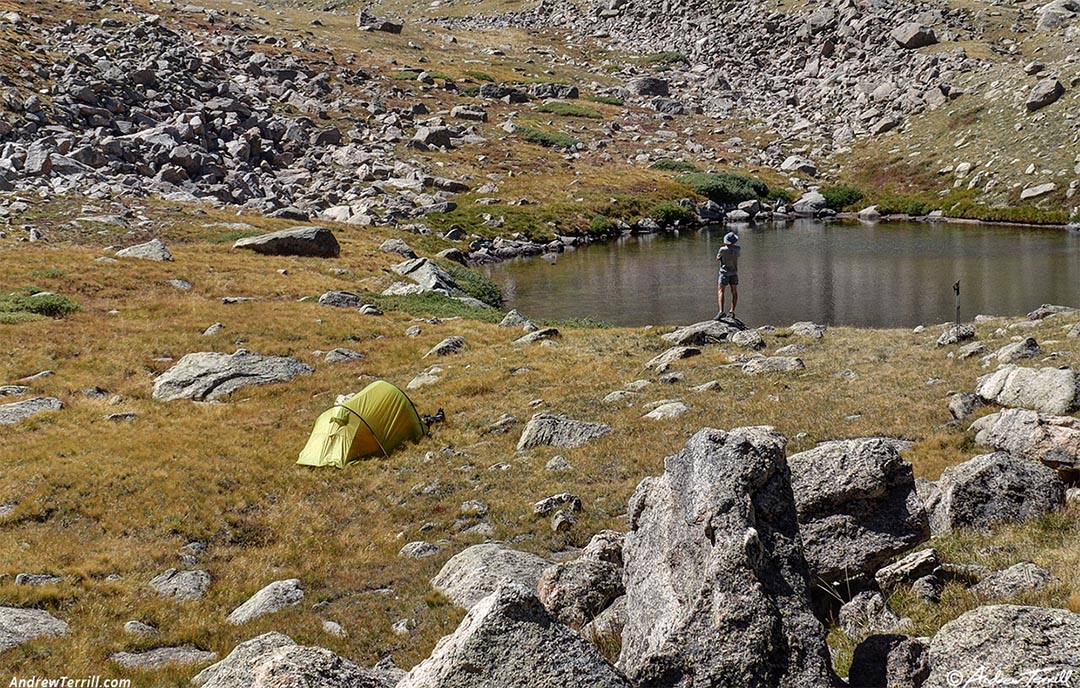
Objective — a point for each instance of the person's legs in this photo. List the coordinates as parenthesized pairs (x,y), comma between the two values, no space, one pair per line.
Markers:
(734,298)
(722,298)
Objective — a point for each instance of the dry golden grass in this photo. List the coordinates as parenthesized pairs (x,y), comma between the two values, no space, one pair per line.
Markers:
(97,499)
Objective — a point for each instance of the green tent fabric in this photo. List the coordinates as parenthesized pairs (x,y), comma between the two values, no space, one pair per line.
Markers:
(375,421)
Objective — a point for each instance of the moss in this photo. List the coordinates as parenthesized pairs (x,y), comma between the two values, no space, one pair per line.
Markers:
(569,110)
(547,138)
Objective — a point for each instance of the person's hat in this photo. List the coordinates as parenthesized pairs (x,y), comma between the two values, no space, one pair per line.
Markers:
(731,238)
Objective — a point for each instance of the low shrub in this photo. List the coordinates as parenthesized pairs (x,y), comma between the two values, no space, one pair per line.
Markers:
(474,284)
(602,225)
(666,58)
(670,214)
(569,110)
(479,76)
(547,138)
(32,301)
(725,187)
(840,197)
(670,165)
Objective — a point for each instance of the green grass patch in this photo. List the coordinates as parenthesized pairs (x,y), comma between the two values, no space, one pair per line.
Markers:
(666,58)
(669,214)
(611,67)
(471,91)
(434,305)
(840,197)
(479,76)
(48,274)
(405,75)
(670,165)
(725,187)
(30,300)
(474,284)
(229,237)
(569,110)
(602,225)
(606,100)
(547,138)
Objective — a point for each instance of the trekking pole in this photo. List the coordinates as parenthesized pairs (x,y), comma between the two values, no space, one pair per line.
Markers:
(956,290)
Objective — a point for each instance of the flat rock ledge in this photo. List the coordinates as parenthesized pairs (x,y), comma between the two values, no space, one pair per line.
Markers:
(545,429)
(18,626)
(209,376)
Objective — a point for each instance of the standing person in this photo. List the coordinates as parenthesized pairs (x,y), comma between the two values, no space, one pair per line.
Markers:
(728,255)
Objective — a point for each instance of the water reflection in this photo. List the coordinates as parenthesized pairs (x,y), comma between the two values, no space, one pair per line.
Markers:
(885,275)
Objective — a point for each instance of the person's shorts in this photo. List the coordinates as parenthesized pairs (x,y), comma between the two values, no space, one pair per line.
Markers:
(725,280)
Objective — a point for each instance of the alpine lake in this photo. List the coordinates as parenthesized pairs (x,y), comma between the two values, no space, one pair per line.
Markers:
(881,275)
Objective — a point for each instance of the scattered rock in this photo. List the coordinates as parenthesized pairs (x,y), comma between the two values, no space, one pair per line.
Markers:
(38,579)
(549,504)
(575,592)
(340,355)
(18,626)
(341,299)
(716,584)
(913,35)
(954,334)
(868,611)
(419,550)
(1053,440)
(676,353)
(808,329)
(397,246)
(990,489)
(509,640)
(297,665)
(1044,93)
(161,657)
(151,250)
(1016,579)
(748,339)
(1053,391)
(667,411)
(208,376)
(857,507)
(701,334)
(273,598)
(138,628)
(182,585)
(773,364)
(448,346)
(21,410)
(908,569)
(298,241)
(963,404)
(539,335)
(476,572)
(1037,191)
(545,429)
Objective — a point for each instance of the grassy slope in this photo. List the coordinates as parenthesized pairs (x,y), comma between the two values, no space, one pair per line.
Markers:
(97,499)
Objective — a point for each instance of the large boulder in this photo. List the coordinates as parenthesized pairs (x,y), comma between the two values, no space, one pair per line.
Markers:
(1010,582)
(717,589)
(701,334)
(18,626)
(428,275)
(208,376)
(508,640)
(895,661)
(1018,645)
(274,597)
(19,411)
(993,488)
(474,573)
(1044,92)
(857,506)
(576,591)
(1054,391)
(235,671)
(1053,440)
(545,429)
(913,35)
(298,241)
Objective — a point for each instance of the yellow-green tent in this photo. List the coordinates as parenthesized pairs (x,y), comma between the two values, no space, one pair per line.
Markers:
(375,421)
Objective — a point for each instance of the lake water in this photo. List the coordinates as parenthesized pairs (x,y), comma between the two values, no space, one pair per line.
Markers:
(883,275)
